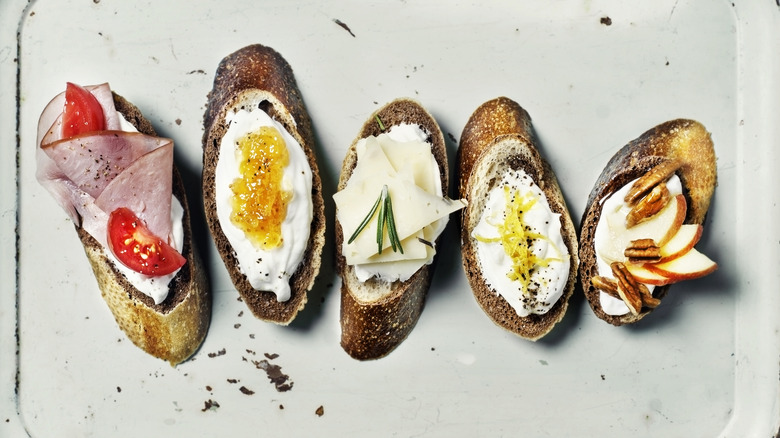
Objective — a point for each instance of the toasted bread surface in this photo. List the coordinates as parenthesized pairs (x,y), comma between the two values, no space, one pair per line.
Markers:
(680,139)
(377,315)
(498,137)
(173,329)
(257,76)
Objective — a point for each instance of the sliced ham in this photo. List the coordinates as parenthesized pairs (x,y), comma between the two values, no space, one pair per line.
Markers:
(90,175)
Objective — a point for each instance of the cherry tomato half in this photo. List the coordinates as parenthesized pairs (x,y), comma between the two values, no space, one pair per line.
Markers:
(137,248)
(82,112)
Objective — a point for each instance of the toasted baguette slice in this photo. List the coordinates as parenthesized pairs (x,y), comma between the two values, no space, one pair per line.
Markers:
(174,329)
(257,76)
(684,140)
(370,327)
(498,138)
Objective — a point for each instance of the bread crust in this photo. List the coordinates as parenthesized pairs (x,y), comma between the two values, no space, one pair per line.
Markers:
(174,329)
(257,75)
(499,137)
(681,139)
(371,330)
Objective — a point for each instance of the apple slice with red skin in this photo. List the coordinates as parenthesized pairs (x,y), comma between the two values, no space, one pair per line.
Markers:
(644,275)
(687,267)
(661,227)
(683,241)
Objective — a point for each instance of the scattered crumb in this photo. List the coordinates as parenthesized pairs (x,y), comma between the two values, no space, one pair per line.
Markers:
(218,353)
(433,348)
(271,356)
(178,121)
(118,389)
(241,313)
(236,325)
(281,407)
(251,336)
(542,361)
(198,71)
(95,1)
(320,411)
(606,21)
(603,378)
(208,388)
(246,390)
(232,380)
(252,352)
(344,26)
(452,137)
(210,405)
(274,372)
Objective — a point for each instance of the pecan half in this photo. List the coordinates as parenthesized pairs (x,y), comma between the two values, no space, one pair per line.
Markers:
(628,288)
(646,182)
(642,251)
(607,285)
(648,300)
(649,205)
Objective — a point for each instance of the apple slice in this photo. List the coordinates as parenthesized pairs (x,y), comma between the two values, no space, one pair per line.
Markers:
(682,242)
(661,228)
(687,267)
(646,276)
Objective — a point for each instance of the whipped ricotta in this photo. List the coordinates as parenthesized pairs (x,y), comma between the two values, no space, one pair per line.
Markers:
(548,279)
(266,270)
(616,205)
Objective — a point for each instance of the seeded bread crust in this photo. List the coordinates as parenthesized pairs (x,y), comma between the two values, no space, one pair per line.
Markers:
(174,329)
(686,140)
(370,329)
(258,77)
(498,137)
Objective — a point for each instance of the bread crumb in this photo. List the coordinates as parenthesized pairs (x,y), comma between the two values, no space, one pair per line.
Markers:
(246,390)
(343,26)
(210,405)
(320,411)
(218,353)
(606,21)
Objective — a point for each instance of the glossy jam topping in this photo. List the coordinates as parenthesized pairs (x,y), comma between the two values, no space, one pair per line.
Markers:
(259,198)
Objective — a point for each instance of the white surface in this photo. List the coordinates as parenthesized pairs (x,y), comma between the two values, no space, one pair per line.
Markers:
(706,363)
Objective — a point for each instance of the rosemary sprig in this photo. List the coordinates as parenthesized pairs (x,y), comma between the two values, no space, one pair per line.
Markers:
(379,121)
(386,219)
(365,221)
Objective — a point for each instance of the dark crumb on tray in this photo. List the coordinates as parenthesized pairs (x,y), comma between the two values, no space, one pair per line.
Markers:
(274,372)
(251,336)
(281,407)
(271,355)
(118,389)
(208,388)
(246,390)
(236,326)
(606,21)
(320,411)
(452,137)
(198,71)
(218,353)
(210,405)
(603,378)
(232,380)
(178,121)
(344,26)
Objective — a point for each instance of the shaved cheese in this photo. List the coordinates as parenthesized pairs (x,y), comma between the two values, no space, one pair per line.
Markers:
(411,175)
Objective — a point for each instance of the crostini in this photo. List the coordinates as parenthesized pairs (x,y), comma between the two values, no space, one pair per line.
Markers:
(261,187)
(518,242)
(102,161)
(391,207)
(643,218)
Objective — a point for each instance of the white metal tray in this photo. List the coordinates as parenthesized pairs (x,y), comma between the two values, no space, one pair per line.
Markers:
(593,75)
